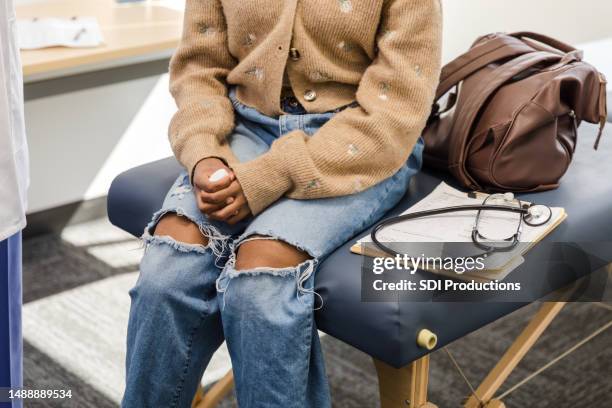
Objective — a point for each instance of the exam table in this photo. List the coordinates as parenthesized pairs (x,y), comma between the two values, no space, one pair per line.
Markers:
(388,331)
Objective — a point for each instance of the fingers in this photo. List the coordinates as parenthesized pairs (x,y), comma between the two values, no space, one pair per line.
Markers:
(215,186)
(222,200)
(242,214)
(208,208)
(229,210)
(220,197)
(205,169)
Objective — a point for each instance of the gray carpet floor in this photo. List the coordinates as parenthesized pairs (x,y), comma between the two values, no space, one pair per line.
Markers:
(63,272)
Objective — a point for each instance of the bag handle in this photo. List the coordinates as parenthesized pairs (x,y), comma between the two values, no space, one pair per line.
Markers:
(498,47)
(466,114)
(544,39)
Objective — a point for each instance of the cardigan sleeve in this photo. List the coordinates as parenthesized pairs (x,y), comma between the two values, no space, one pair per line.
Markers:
(361,146)
(198,70)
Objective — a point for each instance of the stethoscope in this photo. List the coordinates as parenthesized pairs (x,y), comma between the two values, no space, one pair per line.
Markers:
(534,215)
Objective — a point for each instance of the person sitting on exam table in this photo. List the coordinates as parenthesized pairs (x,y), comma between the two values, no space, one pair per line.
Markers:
(298,126)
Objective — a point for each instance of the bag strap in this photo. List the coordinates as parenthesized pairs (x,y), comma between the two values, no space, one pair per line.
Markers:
(467,113)
(498,47)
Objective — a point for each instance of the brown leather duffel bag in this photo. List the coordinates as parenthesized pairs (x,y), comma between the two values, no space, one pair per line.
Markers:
(511,123)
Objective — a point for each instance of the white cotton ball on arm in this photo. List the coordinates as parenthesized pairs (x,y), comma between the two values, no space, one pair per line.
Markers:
(218,175)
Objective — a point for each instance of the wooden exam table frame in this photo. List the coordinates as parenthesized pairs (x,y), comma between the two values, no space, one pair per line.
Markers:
(406,387)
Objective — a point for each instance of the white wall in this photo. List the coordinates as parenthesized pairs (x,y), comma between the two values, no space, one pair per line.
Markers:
(572,21)
(79,141)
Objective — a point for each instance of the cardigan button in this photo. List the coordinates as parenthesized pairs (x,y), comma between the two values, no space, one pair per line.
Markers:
(310,95)
(294,54)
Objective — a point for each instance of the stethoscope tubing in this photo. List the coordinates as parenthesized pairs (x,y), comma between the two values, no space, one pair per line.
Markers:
(445,210)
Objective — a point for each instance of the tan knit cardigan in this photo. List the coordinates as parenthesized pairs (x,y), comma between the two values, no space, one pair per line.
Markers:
(385,54)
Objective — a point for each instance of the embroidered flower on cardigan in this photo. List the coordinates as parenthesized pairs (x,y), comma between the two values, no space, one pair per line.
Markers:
(418,70)
(313,184)
(249,40)
(256,72)
(345,6)
(317,76)
(352,150)
(205,29)
(345,46)
(386,34)
(383,88)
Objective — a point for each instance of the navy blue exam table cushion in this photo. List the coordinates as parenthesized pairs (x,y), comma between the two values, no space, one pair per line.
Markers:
(388,330)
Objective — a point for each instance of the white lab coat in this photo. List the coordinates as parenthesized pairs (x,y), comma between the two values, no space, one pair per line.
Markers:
(14,176)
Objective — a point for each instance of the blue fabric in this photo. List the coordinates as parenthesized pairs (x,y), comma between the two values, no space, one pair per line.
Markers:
(10,315)
(189,298)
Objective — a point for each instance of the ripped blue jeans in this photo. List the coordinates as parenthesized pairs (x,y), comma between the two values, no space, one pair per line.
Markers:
(190,298)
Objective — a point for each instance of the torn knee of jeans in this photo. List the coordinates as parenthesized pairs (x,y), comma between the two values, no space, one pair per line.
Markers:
(278,255)
(302,273)
(218,243)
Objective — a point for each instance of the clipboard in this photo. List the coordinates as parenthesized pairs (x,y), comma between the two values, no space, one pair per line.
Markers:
(457,228)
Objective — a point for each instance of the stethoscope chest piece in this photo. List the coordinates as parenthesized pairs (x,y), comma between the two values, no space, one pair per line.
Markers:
(537,214)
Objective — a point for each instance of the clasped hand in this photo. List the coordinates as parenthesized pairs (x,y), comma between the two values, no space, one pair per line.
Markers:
(221,200)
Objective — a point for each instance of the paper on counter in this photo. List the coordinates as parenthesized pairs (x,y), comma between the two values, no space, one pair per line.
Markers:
(77,32)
